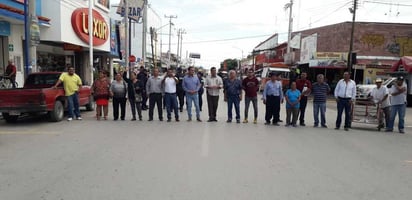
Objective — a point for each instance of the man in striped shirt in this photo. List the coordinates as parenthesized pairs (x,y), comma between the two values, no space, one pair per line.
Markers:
(320,91)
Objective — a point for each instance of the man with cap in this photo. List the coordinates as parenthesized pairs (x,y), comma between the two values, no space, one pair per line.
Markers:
(380,95)
(398,101)
(272,96)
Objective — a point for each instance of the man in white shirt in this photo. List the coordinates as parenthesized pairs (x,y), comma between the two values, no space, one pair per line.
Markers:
(345,94)
(398,101)
(380,95)
(213,84)
(170,82)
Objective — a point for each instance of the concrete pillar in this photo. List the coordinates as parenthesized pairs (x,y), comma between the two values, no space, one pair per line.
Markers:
(33,46)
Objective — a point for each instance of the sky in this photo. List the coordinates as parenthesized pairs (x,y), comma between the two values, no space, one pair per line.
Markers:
(221,29)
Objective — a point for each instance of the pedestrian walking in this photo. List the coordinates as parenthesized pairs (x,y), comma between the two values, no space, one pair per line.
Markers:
(101,94)
(179,88)
(71,84)
(345,94)
(118,90)
(398,102)
(320,91)
(213,85)
(191,85)
(170,83)
(305,87)
(380,95)
(272,96)
(293,97)
(134,93)
(233,95)
(251,85)
(154,90)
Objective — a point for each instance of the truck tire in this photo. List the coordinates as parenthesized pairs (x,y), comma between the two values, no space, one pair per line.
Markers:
(409,100)
(57,113)
(90,105)
(10,118)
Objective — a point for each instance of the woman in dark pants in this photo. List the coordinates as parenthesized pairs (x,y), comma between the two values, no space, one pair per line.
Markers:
(134,91)
(118,91)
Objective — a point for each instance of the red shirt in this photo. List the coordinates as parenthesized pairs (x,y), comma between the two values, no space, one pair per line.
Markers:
(300,84)
(11,69)
(251,86)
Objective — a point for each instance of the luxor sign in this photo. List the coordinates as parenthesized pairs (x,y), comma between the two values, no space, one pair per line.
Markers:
(80,26)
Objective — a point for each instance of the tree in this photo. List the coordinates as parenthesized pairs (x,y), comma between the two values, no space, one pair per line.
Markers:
(229,64)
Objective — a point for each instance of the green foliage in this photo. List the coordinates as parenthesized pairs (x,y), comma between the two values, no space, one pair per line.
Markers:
(230,64)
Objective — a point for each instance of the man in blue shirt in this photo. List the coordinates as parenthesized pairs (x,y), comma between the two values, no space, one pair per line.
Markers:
(233,95)
(191,86)
(272,96)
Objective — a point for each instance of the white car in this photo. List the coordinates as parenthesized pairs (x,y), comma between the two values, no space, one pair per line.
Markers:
(363,91)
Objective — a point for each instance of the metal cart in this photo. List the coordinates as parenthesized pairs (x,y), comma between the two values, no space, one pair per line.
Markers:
(367,112)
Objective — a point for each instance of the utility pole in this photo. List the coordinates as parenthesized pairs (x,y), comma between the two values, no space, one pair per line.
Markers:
(350,58)
(126,30)
(170,36)
(183,31)
(178,45)
(90,29)
(289,6)
(144,41)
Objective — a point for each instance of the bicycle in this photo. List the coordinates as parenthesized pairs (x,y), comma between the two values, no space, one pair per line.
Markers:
(5,83)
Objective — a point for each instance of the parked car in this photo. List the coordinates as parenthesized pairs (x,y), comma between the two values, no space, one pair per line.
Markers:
(38,97)
(363,91)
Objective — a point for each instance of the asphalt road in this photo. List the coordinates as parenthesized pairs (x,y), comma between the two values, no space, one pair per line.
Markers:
(116,160)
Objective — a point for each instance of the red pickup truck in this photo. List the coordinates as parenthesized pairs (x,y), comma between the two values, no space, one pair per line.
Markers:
(38,97)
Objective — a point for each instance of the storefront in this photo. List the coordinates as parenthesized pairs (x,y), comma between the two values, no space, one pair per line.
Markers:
(12,34)
(66,42)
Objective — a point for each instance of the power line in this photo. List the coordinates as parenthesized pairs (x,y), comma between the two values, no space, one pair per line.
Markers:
(389,3)
(327,15)
(229,39)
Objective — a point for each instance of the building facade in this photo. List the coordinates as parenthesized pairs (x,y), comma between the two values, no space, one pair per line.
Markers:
(377,47)
(12,34)
(66,41)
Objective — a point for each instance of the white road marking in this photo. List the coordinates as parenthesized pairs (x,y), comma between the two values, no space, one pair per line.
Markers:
(205,144)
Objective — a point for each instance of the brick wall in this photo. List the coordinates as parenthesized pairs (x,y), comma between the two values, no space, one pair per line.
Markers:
(370,39)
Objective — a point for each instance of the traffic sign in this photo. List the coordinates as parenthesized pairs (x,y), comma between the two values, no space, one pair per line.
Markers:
(134,11)
(132,58)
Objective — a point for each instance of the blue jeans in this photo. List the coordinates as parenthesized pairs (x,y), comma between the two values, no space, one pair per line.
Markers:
(73,101)
(171,104)
(400,109)
(344,104)
(322,108)
(233,100)
(195,99)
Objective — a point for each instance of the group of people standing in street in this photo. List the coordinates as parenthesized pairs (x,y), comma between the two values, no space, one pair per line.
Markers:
(165,91)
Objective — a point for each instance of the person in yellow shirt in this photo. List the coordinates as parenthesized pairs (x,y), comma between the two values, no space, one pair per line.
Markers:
(72,84)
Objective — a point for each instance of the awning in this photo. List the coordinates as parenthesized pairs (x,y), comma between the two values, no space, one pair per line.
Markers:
(13,13)
(374,62)
(276,64)
(328,67)
(403,65)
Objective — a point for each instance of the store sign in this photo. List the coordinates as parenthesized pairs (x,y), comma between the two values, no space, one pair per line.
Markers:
(134,9)
(72,47)
(5,29)
(80,19)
